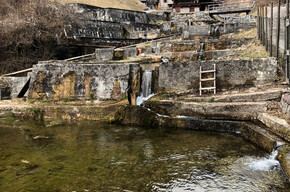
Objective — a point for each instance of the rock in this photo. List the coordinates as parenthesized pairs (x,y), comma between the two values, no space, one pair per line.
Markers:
(40,137)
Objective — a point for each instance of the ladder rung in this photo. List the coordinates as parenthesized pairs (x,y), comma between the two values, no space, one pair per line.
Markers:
(209,79)
(207,88)
(209,71)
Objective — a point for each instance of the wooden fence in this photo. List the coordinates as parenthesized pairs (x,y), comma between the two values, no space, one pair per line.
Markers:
(276,39)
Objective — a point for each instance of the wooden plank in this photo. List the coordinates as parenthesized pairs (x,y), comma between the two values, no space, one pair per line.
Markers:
(17,72)
(208,88)
(271,30)
(209,79)
(278,29)
(209,71)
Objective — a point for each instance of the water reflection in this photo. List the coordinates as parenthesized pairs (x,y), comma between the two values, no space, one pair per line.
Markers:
(103,157)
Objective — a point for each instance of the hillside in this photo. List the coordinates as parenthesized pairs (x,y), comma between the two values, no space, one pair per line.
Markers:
(121,4)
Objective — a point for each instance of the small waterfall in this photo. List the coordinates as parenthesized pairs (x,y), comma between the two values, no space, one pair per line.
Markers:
(146,88)
(201,51)
(267,163)
(146,83)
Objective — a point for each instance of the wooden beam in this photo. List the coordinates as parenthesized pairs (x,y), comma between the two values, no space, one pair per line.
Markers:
(17,72)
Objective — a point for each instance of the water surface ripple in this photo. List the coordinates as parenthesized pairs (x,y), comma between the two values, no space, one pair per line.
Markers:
(101,157)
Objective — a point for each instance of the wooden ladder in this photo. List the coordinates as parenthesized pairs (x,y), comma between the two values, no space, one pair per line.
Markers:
(209,79)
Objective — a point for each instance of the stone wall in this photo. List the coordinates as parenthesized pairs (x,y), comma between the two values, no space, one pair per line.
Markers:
(61,80)
(112,15)
(97,23)
(230,74)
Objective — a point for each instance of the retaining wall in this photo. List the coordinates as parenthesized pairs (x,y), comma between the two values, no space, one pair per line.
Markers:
(10,87)
(61,80)
(230,74)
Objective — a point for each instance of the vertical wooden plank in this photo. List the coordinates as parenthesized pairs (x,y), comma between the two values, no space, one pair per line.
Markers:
(266,30)
(200,91)
(271,30)
(287,43)
(262,26)
(215,78)
(258,22)
(287,9)
(278,29)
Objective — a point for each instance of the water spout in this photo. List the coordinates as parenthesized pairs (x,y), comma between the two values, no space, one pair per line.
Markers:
(201,51)
(146,88)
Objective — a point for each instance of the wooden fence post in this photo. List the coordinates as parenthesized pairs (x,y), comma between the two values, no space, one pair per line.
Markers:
(266,33)
(258,22)
(287,60)
(271,31)
(278,29)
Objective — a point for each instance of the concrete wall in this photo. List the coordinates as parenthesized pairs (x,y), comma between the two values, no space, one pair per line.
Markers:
(194,45)
(285,103)
(164,5)
(104,54)
(11,86)
(60,80)
(230,74)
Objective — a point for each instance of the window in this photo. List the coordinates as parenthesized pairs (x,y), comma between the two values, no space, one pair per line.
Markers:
(165,1)
(177,9)
(191,9)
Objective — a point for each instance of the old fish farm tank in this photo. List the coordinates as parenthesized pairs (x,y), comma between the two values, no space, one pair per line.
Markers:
(90,156)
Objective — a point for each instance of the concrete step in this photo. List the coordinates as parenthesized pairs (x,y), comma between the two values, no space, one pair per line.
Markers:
(227,110)
(269,95)
(276,125)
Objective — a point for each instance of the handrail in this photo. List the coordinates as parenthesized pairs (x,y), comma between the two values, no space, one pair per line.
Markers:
(16,73)
(246,4)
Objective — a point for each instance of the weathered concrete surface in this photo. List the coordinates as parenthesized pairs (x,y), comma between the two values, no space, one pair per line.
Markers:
(285,104)
(267,95)
(284,158)
(210,44)
(61,80)
(14,84)
(260,136)
(239,111)
(194,56)
(111,14)
(17,110)
(104,54)
(230,74)
(92,113)
(276,125)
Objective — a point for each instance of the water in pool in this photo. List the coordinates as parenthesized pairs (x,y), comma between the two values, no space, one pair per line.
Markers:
(93,156)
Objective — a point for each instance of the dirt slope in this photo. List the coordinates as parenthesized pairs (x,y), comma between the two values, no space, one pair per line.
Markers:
(120,4)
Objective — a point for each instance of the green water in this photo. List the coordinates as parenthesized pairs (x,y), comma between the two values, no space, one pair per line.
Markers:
(101,157)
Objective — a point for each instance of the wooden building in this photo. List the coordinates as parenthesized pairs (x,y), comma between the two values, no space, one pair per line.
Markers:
(186,6)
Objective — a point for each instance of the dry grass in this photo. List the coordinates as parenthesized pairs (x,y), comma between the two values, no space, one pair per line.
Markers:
(135,5)
(252,33)
(254,50)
